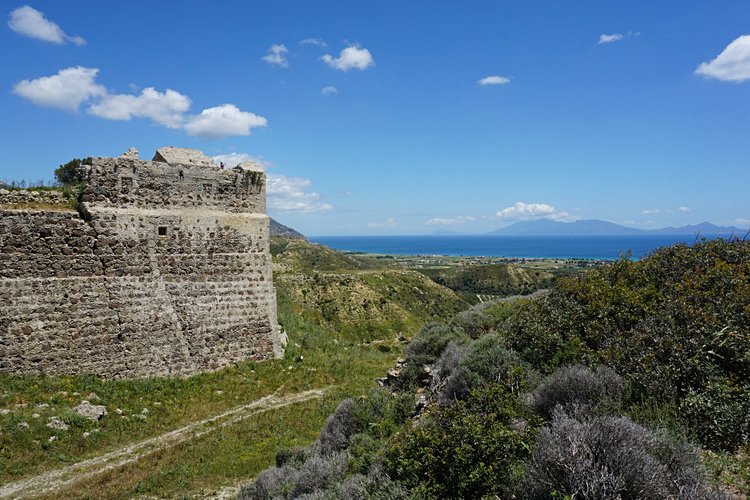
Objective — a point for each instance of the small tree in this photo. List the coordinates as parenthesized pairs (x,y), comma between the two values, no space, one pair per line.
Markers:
(71,173)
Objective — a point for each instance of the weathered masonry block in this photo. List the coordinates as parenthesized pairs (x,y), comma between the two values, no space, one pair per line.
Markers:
(164,270)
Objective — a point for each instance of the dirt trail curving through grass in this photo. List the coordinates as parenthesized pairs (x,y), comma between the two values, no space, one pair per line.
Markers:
(60,478)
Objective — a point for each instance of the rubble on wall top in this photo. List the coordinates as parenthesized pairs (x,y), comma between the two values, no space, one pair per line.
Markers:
(250,166)
(131,153)
(182,156)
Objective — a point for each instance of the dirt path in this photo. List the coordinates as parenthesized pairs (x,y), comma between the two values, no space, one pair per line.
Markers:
(56,479)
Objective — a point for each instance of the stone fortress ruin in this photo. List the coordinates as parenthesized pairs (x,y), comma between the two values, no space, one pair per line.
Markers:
(165,269)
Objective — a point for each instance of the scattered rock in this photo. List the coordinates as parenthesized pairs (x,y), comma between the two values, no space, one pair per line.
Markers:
(86,434)
(92,396)
(76,394)
(219,392)
(4,411)
(23,425)
(35,415)
(144,411)
(421,400)
(52,438)
(56,424)
(157,403)
(89,411)
(42,406)
(131,153)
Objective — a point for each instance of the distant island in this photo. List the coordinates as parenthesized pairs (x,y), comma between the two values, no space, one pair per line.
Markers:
(593,227)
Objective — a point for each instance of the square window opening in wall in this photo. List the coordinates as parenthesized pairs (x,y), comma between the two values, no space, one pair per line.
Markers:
(162,230)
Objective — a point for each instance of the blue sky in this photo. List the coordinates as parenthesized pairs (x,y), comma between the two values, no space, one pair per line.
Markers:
(400,117)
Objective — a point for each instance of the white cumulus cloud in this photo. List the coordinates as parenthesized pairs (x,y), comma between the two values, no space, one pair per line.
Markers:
(439,221)
(71,87)
(30,22)
(65,90)
(527,211)
(389,222)
(614,37)
(493,80)
(290,194)
(352,57)
(223,121)
(231,160)
(276,55)
(330,90)
(650,211)
(684,209)
(732,65)
(165,108)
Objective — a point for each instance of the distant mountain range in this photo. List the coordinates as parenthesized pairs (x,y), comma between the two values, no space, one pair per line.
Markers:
(594,227)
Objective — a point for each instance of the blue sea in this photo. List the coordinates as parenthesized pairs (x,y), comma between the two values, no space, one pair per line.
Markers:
(581,247)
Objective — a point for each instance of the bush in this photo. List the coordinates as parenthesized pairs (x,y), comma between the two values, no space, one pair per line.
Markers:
(375,485)
(719,414)
(471,449)
(339,428)
(291,456)
(313,477)
(483,362)
(378,414)
(575,389)
(431,340)
(612,457)
(72,172)
(481,319)
(273,482)
(424,349)
(318,473)
(350,441)
(674,324)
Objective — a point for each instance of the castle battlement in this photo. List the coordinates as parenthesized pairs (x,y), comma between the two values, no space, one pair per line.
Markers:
(166,269)
(173,182)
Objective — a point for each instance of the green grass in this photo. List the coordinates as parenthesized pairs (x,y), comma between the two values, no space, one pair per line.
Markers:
(221,458)
(173,402)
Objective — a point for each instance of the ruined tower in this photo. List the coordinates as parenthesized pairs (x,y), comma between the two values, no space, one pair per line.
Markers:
(165,269)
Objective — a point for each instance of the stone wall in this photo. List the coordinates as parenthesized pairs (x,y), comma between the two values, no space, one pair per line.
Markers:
(159,276)
(16,198)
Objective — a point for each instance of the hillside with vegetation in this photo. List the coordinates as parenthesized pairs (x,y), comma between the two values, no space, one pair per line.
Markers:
(494,280)
(641,365)
(627,382)
(346,325)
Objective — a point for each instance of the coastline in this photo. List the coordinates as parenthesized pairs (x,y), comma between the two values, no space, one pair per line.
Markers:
(597,248)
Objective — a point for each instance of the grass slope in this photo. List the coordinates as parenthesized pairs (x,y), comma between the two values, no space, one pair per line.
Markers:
(322,351)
